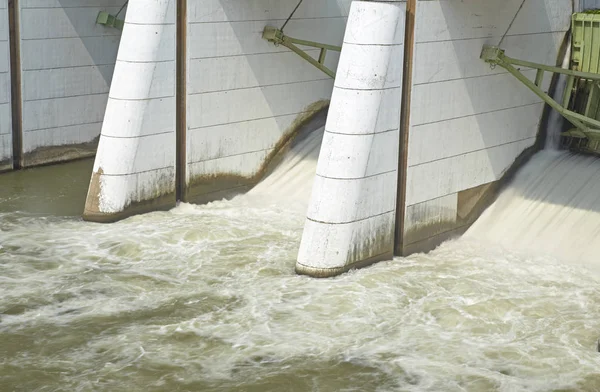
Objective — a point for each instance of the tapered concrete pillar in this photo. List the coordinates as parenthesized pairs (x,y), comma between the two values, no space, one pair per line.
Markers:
(350,219)
(134,169)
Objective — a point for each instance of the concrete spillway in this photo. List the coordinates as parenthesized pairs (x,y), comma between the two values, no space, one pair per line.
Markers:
(189,103)
(552,207)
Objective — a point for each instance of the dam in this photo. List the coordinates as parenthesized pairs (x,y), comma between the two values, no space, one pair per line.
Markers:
(176,174)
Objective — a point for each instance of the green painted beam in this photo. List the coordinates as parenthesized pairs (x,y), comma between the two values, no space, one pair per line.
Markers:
(108,20)
(585,125)
(276,36)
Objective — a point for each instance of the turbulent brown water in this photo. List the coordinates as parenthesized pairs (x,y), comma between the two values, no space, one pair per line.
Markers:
(204,298)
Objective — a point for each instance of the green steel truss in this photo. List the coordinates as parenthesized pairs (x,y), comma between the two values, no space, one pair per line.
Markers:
(586,120)
(276,36)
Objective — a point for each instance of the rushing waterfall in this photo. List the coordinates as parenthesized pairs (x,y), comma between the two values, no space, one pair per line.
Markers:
(552,206)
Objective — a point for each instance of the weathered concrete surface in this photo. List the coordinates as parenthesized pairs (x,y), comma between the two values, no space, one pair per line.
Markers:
(134,170)
(350,220)
(204,189)
(67,62)
(245,96)
(469,123)
(5,103)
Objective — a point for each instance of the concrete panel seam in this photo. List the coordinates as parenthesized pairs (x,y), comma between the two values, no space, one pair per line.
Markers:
(524,69)
(69,66)
(470,77)
(260,86)
(248,120)
(477,114)
(145,61)
(150,24)
(62,7)
(65,97)
(435,198)
(137,136)
(368,89)
(362,44)
(477,150)
(138,172)
(498,36)
(232,155)
(362,134)
(141,99)
(66,38)
(457,228)
(284,50)
(352,221)
(356,178)
(265,20)
(61,126)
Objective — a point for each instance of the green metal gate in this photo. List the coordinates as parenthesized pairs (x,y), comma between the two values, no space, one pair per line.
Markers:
(580,103)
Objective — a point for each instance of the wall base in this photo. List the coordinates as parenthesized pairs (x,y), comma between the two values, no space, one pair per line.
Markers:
(6,165)
(162,203)
(471,204)
(60,154)
(316,272)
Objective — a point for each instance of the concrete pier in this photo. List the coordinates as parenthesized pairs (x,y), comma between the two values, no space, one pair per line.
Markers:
(350,220)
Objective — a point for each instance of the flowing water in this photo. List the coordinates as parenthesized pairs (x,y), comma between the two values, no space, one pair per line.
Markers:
(204,298)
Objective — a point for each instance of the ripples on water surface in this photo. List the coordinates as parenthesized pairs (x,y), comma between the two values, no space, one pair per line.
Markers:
(204,298)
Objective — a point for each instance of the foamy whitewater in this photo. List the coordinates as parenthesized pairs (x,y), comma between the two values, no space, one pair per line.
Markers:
(205,298)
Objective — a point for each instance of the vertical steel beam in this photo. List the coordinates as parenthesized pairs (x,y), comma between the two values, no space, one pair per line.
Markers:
(409,43)
(15,83)
(181,103)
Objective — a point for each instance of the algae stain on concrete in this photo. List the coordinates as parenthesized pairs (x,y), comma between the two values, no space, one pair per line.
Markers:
(155,196)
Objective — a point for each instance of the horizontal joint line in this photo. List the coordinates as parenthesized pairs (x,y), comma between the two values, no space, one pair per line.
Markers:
(69,96)
(524,69)
(145,62)
(477,114)
(232,155)
(367,89)
(352,221)
(138,136)
(76,37)
(357,44)
(266,20)
(251,119)
(357,178)
(488,37)
(139,172)
(62,126)
(473,151)
(141,99)
(258,87)
(150,24)
(361,134)
(67,67)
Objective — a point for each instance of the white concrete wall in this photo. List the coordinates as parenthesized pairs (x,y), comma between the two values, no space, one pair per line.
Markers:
(468,122)
(67,62)
(244,93)
(588,4)
(351,216)
(5,106)
(134,169)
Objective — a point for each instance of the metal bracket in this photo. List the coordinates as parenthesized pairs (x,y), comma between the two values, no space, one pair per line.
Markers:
(106,19)
(276,36)
(588,126)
